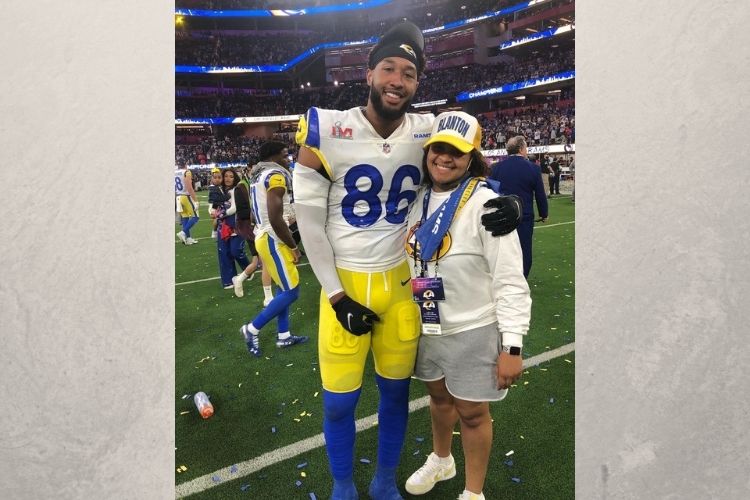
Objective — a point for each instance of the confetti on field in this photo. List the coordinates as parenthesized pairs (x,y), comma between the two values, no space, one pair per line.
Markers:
(513,385)
(233,469)
(553,328)
(239,385)
(416,452)
(551,400)
(273,430)
(181,468)
(297,420)
(267,358)
(186,396)
(298,483)
(313,497)
(303,474)
(256,373)
(295,401)
(509,453)
(302,414)
(215,479)
(280,413)
(508,462)
(316,394)
(542,369)
(419,439)
(184,412)
(522,437)
(567,360)
(516,479)
(456,433)
(364,460)
(244,487)
(302,465)
(290,364)
(526,372)
(526,383)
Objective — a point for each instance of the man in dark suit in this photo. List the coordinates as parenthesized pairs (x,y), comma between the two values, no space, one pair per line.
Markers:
(519,176)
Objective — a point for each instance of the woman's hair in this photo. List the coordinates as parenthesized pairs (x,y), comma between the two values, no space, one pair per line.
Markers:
(477,166)
(224,176)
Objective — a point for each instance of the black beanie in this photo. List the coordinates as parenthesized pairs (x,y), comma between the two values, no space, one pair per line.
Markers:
(405,40)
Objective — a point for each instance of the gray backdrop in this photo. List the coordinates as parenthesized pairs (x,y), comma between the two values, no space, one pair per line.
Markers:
(88,247)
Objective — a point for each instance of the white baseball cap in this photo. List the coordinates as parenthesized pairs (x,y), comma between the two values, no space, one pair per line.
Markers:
(459,129)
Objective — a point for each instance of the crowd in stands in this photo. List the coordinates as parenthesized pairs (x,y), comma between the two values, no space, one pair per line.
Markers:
(551,122)
(438,84)
(254,4)
(542,125)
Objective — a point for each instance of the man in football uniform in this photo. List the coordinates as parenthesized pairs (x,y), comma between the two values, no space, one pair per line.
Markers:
(275,246)
(355,178)
(186,203)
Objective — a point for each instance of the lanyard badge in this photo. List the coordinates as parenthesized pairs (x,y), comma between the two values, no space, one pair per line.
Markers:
(426,292)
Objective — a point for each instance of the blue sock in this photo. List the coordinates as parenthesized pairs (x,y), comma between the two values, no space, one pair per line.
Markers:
(276,307)
(339,431)
(188,223)
(393,412)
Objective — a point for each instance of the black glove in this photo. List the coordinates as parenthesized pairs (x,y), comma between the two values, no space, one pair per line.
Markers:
(506,218)
(355,317)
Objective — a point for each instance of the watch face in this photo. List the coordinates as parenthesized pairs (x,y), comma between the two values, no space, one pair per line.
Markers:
(514,351)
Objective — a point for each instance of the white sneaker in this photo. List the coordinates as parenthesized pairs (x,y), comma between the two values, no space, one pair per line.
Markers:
(190,241)
(427,476)
(239,291)
(214,235)
(182,237)
(467,495)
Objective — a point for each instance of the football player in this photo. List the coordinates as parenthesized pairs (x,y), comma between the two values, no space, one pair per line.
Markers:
(185,202)
(275,246)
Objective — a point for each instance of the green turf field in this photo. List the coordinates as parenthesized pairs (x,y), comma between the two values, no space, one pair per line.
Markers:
(266,407)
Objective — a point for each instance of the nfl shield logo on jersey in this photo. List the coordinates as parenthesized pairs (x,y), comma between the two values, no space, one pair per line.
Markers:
(386,148)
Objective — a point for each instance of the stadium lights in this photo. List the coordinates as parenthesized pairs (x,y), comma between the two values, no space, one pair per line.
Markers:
(335,83)
(463,7)
(301,86)
(308,84)
(520,97)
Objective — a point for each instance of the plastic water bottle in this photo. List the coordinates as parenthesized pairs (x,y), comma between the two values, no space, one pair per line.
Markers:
(205,408)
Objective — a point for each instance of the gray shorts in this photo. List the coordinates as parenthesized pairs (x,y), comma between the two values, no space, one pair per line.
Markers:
(466,360)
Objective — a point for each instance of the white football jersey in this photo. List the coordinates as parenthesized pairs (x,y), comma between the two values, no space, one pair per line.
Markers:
(181,178)
(272,176)
(374,182)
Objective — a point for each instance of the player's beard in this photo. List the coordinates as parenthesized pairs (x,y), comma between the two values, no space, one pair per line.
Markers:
(391,114)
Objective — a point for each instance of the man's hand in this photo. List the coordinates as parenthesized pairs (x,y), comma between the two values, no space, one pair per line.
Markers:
(353,316)
(296,254)
(196,204)
(509,369)
(506,218)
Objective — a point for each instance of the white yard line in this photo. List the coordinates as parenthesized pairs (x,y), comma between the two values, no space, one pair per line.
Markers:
(248,467)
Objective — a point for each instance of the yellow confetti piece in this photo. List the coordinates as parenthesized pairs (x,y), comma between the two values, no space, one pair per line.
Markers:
(553,328)
(567,360)
(267,357)
(256,373)
(509,453)
(456,433)
(178,470)
(297,420)
(316,394)
(290,364)
(303,474)
(525,383)
(546,347)
(184,412)
(543,369)
(309,414)
(302,414)
(239,385)
(295,401)
(522,437)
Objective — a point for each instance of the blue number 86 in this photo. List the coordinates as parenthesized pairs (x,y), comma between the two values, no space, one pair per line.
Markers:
(370,195)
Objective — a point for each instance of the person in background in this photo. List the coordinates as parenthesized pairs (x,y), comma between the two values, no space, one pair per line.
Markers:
(519,176)
(231,246)
(554,177)
(215,199)
(478,307)
(186,202)
(275,246)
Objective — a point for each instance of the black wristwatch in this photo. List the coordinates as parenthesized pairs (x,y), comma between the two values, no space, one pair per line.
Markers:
(512,350)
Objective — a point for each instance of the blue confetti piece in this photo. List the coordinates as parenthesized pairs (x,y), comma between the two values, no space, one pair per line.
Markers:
(244,487)
(312,496)
(273,430)
(516,479)
(303,464)
(298,483)
(216,479)
(419,439)
(233,469)
(416,452)
(364,460)
(551,400)
(508,462)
